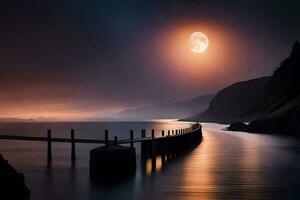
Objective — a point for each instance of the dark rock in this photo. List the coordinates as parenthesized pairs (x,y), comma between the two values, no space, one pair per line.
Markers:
(287,123)
(112,162)
(238,126)
(12,184)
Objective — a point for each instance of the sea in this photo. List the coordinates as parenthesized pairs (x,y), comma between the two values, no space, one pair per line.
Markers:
(226,165)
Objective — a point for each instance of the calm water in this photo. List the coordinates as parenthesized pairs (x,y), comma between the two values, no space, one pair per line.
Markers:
(226,165)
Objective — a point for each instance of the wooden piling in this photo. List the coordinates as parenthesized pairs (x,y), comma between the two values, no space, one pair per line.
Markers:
(143,133)
(163,148)
(73,154)
(153,151)
(49,149)
(167,147)
(106,136)
(131,138)
(143,145)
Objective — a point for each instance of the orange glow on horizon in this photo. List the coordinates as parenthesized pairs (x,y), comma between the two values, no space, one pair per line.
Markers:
(48,115)
(54,111)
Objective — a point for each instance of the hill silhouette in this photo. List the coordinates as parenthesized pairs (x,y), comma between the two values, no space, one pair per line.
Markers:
(231,103)
(174,110)
(270,104)
(280,109)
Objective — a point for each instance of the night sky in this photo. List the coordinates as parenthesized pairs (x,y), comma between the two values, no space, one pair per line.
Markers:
(76,59)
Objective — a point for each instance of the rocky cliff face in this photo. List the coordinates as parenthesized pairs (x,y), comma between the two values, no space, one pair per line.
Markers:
(280,109)
(271,104)
(12,184)
(233,102)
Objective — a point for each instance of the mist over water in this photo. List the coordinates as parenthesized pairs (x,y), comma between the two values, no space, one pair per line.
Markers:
(226,165)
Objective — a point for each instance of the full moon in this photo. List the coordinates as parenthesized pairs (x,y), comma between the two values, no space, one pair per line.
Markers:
(198,42)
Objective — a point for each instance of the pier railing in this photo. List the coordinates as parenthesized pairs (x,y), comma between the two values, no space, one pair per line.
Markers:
(174,140)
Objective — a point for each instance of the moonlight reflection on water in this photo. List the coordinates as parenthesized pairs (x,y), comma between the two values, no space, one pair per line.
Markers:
(226,165)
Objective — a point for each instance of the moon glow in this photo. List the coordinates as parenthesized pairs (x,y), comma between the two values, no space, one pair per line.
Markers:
(198,42)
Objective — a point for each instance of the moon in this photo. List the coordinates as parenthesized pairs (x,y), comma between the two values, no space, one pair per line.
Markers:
(198,42)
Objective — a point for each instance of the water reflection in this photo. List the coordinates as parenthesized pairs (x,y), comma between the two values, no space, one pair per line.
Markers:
(226,165)
(198,181)
(223,167)
(153,166)
(237,166)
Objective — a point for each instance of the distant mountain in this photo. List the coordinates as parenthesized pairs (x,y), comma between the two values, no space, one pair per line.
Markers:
(16,120)
(39,119)
(231,103)
(272,104)
(46,119)
(162,111)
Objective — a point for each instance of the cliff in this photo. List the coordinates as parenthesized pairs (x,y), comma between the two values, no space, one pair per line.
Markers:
(279,110)
(270,104)
(12,184)
(233,102)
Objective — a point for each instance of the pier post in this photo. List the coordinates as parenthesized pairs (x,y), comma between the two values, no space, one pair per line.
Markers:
(167,145)
(49,149)
(153,151)
(143,133)
(163,148)
(115,140)
(106,136)
(143,145)
(73,154)
(131,138)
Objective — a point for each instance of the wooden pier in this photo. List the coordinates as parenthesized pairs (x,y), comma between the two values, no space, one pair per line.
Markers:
(144,140)
(168,145)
